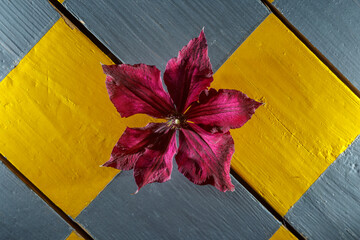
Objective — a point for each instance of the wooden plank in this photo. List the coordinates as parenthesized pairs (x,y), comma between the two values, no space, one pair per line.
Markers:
(152,32)
(308,119)
(57,123)
(332,27)
(23,215)
(283,234)
(22,24)
(175,210)
(330,208)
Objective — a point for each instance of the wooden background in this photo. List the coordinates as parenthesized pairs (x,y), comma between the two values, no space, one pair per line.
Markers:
(296,168)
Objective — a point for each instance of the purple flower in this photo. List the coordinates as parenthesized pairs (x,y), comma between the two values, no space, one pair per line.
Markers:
(202,116)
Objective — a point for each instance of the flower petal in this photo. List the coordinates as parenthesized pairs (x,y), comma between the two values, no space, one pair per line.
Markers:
(204,158)
(222,110)
(132,144)
(155,164)
(187,75)
(137,89)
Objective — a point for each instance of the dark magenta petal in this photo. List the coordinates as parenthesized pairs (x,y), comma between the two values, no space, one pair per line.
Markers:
(137,89)
(155,164)
(187,75)
(222,110)
(133,143)
(204,158)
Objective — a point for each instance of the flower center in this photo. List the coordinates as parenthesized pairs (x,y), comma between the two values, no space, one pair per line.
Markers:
(177,121)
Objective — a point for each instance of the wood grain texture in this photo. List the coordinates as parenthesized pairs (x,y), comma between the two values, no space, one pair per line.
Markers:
(176,209)
(332,26)
(57,124)
(152,32)
(330,208)
(283,234)
(308,119)
(22,24)
(23,215)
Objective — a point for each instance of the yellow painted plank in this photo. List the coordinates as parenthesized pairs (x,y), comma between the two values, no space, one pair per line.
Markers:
(74,236)
(308,119)
(57,123)
(283,234)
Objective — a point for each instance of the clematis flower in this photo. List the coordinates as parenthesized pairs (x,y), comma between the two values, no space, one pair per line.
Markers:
(202,117)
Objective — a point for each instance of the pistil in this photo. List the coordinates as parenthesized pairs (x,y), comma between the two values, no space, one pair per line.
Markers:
(176,121)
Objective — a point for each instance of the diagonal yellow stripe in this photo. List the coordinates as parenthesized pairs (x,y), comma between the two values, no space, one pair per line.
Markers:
(308,119)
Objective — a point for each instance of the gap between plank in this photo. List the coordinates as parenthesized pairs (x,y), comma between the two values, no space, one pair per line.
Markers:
(73,21)
(47,200)
(310,46)
(267,205)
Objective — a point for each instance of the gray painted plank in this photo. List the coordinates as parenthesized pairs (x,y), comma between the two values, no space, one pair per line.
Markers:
(177,209)
(333,27)
(152,32)
(23,215)
(22,24)
(330,209)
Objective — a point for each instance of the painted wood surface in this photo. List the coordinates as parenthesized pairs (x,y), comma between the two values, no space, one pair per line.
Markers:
(152,32)
(273,124)
(330,209)
(57,123)
(308,119)
(22,24)
(74,236)
(332,26)
(175,210)
(23,215)
(283,234)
